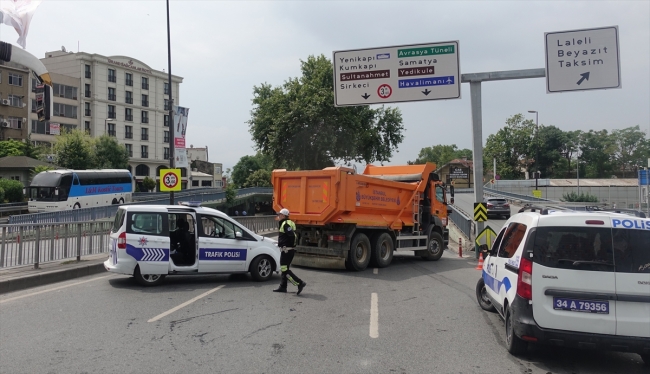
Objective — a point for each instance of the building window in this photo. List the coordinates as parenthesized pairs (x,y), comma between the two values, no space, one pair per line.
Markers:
(145,100)
(145,134)
(87,70)
(145,83)
(166,137)
(69,92)
(15,122)
(145,117)
(111,93)
(33,106)
(87,127)
(166,153)
(166,119)
(15,79)
(64,110)
(129,97)
(87,109)
(128,114)
(111,111)
(44,128)
(166,104)
(15,100)
(111,129)
(128,132)
(166,88)
(129,149)
(111,75)
(86,90)
(144,151)
(195,183)
(128,79)
(142,170)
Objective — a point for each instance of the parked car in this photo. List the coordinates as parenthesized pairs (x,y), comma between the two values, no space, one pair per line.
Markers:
(497,207)
(571,279)
(152,241)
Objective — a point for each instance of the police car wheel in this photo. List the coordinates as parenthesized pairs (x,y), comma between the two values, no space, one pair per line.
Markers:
(261,268)
(646,358)
(482,297)
(148,279)
(514,344)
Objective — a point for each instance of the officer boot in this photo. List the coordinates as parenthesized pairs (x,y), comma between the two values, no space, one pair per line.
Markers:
(283,286)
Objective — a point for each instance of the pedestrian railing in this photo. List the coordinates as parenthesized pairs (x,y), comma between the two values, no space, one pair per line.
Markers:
(36,243)
(462,221)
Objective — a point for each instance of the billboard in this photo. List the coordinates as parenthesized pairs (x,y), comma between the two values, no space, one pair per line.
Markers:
(179,130)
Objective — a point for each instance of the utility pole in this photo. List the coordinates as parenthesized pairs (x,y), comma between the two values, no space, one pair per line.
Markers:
(536,146)
(170,122)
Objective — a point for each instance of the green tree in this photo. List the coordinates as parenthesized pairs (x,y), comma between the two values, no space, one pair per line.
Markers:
(259,178)
(596,154)
(298,125)
(149,184)
(583,197)
(30,150)
(109,154)
(41,168)
(74,150)
(13,190)
(231,193)
(441,154)
(632,150)
(247,166)
(513,147)
(12,148)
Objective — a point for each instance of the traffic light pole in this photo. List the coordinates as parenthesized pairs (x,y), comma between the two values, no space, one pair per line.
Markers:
(170,122)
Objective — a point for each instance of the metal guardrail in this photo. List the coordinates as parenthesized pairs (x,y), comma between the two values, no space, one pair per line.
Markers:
(462,221)
(36,243)
(96,213)
(522,198)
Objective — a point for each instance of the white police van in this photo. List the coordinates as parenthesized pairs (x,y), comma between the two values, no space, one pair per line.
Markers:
(571,279)
(152,241)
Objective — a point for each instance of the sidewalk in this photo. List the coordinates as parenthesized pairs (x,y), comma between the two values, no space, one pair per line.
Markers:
(22,277)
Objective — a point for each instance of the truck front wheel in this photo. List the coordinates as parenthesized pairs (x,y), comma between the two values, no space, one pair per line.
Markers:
(434,247)
(382,250)
(359,253)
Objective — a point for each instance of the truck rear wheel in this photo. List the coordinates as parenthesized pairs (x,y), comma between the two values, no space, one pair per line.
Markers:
(382,250)
(359,253)
(434,247)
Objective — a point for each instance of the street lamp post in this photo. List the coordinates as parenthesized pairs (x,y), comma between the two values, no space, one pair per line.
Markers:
(578,175)
(106,124)
(536,145)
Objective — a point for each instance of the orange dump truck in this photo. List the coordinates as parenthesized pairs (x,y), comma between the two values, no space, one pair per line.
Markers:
(353,220)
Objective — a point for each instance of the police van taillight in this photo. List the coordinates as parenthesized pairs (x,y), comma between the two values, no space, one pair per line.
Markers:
(121,241)
(525,279)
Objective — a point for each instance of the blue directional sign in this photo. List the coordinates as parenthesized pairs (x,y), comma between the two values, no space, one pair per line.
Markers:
(643,177)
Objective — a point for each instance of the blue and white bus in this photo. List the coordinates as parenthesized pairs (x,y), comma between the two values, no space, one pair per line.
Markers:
(56,190)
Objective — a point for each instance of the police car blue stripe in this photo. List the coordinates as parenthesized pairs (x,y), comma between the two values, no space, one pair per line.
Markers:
(494,283)
(148,254)
(222,254)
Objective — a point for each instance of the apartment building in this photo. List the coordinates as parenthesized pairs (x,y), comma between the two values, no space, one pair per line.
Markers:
(14,89)
(126,99)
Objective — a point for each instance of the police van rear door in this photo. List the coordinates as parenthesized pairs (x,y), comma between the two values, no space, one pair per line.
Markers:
(147,239)
(631,243)
(574,285)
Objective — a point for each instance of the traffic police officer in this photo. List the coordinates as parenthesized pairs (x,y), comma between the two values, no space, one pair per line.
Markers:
(287,242)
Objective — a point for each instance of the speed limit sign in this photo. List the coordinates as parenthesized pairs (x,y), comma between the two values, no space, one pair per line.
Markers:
(170,180)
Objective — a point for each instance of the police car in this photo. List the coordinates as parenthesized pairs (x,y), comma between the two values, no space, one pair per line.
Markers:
(152,241)
(571,279)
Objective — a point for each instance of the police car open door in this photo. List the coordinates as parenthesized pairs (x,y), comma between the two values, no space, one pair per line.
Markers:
(147,240)
(631,243)
(221,245)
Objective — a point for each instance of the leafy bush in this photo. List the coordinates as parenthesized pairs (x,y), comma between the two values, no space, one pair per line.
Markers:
(148,184)
(13,190)
(583,197)
(2,195)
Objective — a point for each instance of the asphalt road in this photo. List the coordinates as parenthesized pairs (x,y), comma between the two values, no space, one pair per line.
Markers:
(412,317)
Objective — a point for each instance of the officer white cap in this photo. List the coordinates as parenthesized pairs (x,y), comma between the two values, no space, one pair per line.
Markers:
(284,212)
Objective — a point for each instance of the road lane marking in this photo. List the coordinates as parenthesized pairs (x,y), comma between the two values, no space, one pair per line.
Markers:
(374,316)
(375,271)
(50,290)
(172,310)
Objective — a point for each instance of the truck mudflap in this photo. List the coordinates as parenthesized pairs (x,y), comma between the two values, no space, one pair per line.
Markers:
(445,237)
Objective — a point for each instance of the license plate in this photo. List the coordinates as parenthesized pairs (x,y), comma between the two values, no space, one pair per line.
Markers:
(585,306)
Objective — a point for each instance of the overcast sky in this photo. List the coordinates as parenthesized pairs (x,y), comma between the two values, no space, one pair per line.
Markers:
(223,49)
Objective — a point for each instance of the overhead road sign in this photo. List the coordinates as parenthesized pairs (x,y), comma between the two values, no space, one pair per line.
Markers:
(580,60)
(480,212)
(397,74)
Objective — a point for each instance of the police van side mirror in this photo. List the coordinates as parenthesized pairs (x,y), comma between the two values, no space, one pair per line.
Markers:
(238,235)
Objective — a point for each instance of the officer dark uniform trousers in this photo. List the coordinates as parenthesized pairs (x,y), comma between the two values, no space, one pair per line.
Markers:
(287,243)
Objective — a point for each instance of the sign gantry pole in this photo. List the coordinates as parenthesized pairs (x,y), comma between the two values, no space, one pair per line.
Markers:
(170,121)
